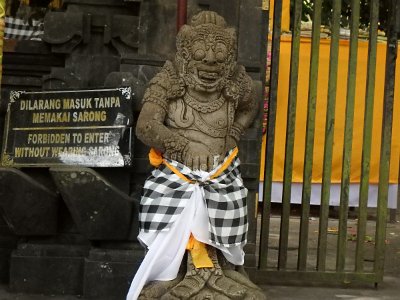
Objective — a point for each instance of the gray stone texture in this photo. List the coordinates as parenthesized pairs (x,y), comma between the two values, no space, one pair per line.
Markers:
(48,269)
(96,44)
(109,272)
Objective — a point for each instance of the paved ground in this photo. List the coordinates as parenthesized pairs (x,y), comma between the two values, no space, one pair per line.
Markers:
(388,290)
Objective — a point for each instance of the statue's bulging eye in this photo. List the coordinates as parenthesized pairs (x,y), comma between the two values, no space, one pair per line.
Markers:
(199,54)
(220,56)
(221,52)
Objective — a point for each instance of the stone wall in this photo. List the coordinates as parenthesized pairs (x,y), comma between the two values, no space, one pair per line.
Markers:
(73,231)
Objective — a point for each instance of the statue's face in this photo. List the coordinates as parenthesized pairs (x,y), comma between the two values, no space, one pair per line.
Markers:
(208,57)
(208,64)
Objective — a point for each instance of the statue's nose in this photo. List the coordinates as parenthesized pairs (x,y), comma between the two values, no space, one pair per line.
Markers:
(210,57)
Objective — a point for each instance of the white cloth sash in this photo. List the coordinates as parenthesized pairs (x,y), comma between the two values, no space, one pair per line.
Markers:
(167,248)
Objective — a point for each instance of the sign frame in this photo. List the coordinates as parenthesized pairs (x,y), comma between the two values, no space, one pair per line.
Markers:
(7,160)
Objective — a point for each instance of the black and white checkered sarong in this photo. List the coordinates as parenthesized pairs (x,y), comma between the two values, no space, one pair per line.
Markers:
(165,195)
(19,29)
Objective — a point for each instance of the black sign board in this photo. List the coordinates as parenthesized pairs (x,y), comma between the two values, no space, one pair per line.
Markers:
(89,128)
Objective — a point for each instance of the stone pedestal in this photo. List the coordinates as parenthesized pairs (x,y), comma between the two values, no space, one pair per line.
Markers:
(48,269)
(29,207)
(108,273)
(100,210)
(7,244)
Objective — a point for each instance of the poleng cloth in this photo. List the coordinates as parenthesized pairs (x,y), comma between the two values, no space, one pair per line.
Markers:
(179,203)
(165,195)
(16,28)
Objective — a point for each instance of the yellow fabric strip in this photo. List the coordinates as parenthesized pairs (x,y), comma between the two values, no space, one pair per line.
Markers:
(156,159)
(199,253)
(226,163)
(176,171)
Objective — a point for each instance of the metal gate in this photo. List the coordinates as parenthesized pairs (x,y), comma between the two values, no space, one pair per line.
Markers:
(311,257)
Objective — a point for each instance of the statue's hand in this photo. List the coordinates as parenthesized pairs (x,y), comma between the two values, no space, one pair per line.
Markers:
(198,157)
(230,143)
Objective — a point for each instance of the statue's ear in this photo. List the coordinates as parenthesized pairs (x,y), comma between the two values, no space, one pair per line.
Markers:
(184,32)
(232,34)
(182,40)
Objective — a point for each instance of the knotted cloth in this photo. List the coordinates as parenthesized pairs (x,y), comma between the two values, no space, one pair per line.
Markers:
(178,203)
(166,193)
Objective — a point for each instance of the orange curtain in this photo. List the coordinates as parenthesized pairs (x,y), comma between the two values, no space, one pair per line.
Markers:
(285,14)
(301,113)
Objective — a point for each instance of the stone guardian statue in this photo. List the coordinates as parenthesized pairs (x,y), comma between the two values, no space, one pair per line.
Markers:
(193,214)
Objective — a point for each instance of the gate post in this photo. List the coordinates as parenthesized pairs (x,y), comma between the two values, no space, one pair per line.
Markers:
(393,212)
(269,154)
(391,56)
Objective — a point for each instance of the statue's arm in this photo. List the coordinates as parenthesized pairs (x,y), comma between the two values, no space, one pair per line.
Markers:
(246,110)
(150,129)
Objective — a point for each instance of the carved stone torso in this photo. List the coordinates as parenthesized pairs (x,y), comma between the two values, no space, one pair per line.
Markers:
(197,107)
(206,123)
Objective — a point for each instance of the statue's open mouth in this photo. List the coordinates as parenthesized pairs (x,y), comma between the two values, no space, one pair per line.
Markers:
(208,76)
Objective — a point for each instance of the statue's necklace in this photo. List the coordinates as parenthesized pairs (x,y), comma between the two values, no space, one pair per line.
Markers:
(203,107)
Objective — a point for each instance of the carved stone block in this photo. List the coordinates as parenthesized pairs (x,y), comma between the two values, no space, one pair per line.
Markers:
(61,79)
(28,207)
(99,209)
(7,245)
(48,269)
(61,28)
(108,273)
(125,33)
